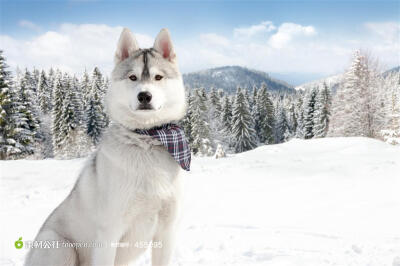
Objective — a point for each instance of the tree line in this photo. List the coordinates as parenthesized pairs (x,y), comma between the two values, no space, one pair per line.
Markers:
(45,114)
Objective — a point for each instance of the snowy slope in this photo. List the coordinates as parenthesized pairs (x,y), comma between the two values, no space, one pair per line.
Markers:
(332,82)
(333,201)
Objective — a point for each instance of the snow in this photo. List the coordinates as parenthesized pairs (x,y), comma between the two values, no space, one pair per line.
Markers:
(331,201)
(331,81)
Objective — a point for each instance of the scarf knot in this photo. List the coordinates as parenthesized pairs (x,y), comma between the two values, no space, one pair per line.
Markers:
(173,138)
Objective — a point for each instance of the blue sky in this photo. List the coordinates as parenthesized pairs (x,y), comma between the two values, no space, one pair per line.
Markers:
(289,38)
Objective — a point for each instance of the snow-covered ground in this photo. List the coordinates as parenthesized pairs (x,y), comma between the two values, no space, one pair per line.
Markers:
(316,202)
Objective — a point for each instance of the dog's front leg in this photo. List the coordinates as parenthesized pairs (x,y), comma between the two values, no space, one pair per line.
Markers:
(163,244)
(164,238)
(105,255)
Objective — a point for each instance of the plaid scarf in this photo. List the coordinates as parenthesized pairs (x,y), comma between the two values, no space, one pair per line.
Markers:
(173,138)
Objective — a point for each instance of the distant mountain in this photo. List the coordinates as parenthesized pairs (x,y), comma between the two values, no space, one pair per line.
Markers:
(230,77)
(390,71)
(332,82)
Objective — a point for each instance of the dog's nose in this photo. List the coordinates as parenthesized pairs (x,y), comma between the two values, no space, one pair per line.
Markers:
(144,97)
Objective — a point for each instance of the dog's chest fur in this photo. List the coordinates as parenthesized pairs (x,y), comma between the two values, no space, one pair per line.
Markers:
(137,170)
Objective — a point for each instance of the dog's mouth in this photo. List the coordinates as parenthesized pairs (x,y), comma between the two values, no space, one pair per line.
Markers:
(145,107)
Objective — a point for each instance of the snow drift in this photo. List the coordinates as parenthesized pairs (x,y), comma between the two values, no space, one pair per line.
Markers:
(332,201)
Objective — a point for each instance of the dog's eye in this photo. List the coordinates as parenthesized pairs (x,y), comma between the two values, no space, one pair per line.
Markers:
(133,77)
(158,77)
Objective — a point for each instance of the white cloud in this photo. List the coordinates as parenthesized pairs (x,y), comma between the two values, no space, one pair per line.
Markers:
(288,48)
(263,27)
(287,31)
(214,39)
(387,31)
(71,48)
(29,25)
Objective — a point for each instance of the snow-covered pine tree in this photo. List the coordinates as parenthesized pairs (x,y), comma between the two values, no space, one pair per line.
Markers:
(106,85)
(7,141)
(253,99)
(226,116)
(282,125)
(322,112)
(78,100)
(59,94)
(200,127)
(357,107)
(28,98)
(309,112)
(72,131)
(244,135)
(292,117)
(213,96)
(218,108)
(85,89)
(69,120)
(214,109)
(247,97)
(264,116)
(187,120)
(391,131)
(43,91)
(50,80)
(36,78)
(95,113)
(30,85)
(300,116)
(15,141)
(99,87)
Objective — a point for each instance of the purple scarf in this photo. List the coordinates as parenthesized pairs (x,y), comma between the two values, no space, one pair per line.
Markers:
(173,138)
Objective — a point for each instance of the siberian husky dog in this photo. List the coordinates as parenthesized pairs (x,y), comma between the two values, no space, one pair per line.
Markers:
(127,197)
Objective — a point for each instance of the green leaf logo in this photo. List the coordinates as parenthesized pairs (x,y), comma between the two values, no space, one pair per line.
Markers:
(19,244)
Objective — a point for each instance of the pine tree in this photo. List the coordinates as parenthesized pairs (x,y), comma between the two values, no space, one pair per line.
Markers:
(292,118)
(44,92)
(77,101)
(98,91)
(243,124)
(58,109)
(226,116)
(282,126)
(200,128)
(35,79)
(27,98)
(187,120)
(15,139)
(95,119)
(253,100)
(95,113)
(357,107)
(85,88)
(50,79)
(391,130)
(73,141)
(263,114)
(300,116)
(309,112)
(322,112)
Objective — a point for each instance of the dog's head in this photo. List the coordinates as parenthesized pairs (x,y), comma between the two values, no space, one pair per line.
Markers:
(146,85)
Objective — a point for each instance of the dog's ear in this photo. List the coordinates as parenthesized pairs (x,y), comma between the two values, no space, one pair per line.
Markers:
(163,45)
(127,45)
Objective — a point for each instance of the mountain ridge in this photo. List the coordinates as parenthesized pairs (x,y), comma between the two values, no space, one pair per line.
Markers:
(229,78)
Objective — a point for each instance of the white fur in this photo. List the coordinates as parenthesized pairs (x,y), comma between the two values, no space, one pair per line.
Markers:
(130,190)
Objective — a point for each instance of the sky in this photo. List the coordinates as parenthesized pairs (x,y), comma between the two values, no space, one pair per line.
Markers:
(297,41)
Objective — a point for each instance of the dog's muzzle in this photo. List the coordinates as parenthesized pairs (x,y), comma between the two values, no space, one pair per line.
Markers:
(144,99)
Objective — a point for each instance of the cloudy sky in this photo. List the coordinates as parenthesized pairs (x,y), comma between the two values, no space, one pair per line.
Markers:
(294,40)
